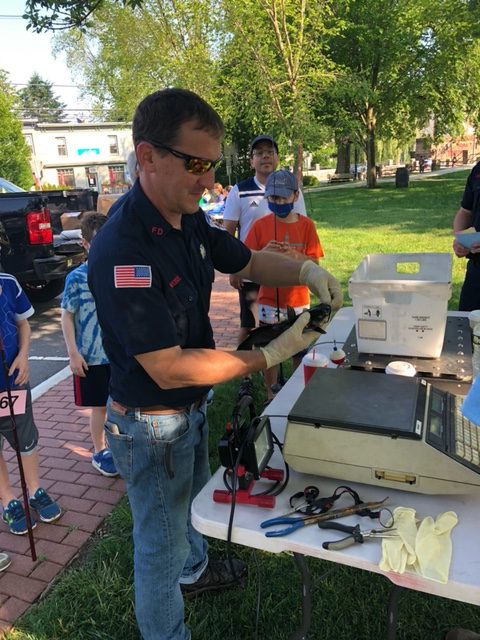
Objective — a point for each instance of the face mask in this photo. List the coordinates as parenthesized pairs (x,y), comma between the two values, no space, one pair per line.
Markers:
(281,210)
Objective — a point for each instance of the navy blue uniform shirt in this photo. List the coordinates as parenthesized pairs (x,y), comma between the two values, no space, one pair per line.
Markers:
(152,286)
(471,195)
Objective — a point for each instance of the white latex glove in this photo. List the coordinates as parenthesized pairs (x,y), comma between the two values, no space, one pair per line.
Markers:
(398,553)
(434,546)
(289,342)
(322,284)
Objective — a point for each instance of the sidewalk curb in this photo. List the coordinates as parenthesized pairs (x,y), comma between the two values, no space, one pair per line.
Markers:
(47,384)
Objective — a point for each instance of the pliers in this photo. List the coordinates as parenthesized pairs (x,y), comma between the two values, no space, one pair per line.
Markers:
(298,523)
(355,535)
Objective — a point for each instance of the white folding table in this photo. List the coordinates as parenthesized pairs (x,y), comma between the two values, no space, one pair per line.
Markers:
(211,518)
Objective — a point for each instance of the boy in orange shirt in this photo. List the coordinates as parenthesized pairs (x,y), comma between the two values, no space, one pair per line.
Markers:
(286,232)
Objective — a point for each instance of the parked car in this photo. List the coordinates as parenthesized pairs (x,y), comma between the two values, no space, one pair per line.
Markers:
(8,187)
(33,246)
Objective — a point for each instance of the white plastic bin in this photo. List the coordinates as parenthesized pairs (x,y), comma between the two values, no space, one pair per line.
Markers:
(400,303)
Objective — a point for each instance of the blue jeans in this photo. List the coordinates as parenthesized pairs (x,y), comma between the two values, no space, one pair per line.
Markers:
(164,461)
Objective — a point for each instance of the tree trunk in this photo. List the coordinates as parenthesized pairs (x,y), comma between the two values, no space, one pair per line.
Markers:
(343,155)
(298,166)
(371,155)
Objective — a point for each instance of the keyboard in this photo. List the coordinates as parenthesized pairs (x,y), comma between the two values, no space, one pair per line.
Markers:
(467,438)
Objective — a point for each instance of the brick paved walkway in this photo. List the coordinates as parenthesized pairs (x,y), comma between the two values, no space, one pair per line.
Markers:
(66,472)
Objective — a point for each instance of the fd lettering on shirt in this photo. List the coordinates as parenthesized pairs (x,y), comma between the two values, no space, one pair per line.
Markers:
(133,276)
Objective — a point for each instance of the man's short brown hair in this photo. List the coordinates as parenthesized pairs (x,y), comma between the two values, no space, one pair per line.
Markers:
(160,115)
(91,222)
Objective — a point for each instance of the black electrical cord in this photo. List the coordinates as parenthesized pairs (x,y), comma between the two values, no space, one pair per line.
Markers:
(275,490)
(246,401)
(232,513)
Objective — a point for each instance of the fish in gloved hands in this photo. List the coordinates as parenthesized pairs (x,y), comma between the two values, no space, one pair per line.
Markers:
(261,336)
(289,342)
(322,284)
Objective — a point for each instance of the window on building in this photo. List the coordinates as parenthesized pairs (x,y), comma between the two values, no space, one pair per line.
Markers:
(113,144)
(61,146)
(66,177)
(116,174)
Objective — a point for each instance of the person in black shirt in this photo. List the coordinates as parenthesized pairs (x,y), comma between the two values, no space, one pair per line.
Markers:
(468,216)
(151,269)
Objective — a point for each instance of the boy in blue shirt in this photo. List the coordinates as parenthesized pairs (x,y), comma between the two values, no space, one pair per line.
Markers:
(88,361)
(15,308)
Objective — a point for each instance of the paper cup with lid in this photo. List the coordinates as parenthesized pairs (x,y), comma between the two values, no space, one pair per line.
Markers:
(312,361)
(400,368)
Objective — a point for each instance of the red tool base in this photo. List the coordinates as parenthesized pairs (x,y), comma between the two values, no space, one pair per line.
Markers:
(244,496)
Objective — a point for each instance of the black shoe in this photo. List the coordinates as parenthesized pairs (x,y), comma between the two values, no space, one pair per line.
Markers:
(217,576)
(246,388)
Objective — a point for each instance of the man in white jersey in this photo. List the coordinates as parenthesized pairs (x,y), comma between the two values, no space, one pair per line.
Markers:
(246,203)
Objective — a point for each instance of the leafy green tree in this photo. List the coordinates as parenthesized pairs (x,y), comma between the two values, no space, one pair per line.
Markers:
(43,15)
(127,53)
(38,101)
(400,63)
(261,64)
(279,55)
(14,151)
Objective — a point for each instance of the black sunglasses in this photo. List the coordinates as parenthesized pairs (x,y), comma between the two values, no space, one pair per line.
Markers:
(197,166)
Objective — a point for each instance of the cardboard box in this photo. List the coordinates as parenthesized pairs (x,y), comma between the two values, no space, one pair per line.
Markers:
(400,303)
(71,220)
(105,201)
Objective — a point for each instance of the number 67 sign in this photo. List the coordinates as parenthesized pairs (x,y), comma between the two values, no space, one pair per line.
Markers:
(19,401)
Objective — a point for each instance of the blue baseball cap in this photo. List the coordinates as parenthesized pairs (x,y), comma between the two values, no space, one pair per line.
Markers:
(281,183)
(259,139)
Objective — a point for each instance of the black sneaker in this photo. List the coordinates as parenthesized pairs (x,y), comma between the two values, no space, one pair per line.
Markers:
(217,576)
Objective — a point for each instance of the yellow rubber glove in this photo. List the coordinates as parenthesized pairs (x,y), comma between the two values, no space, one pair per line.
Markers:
(434,546)
(398,553)
(322,284)
(289,342)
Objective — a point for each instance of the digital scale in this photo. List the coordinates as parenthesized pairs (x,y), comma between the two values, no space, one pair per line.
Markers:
(452,371)
(362,425)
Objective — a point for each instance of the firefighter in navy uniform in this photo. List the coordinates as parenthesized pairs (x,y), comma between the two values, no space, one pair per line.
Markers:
(151,269)
(468,216)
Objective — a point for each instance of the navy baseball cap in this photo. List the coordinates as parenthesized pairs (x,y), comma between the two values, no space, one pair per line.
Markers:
(259,139)
(281,183)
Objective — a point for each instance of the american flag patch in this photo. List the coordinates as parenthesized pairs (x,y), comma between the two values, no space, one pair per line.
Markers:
(129,276)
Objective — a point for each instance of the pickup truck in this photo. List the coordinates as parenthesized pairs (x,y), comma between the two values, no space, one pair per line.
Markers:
(33,246)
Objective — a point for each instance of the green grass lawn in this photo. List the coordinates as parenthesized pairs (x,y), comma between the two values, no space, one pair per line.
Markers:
(355,222)
(94,599)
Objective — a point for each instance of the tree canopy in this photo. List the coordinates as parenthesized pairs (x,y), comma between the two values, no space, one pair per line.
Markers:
(38,101)
(400,63)
(129,52)
(305,71)
(14,151)
(43,15)
(276,65)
